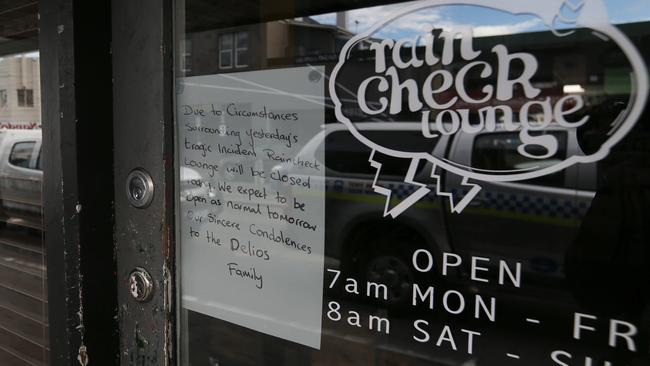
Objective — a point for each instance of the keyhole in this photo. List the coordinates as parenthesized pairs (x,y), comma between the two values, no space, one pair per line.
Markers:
(137,189)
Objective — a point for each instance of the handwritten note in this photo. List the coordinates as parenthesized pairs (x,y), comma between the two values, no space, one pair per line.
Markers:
(252,199)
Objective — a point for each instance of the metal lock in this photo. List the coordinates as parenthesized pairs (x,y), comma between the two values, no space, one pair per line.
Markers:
(139,188)
(140,284)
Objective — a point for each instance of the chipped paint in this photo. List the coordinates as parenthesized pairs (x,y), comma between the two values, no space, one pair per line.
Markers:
(139,356)
(82,355)
(168,300)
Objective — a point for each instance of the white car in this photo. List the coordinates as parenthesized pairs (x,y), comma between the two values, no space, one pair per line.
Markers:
(21,177)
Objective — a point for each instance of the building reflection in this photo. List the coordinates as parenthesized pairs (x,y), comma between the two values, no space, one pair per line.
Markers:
(24,322)
(578,234)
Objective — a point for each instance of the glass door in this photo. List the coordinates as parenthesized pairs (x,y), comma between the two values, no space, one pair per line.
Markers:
(412,183)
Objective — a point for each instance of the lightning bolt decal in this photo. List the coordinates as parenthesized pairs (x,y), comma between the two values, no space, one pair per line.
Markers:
(458,207)
(420,191)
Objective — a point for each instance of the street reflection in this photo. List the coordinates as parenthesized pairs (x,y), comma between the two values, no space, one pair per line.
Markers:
(23,280)
(550,270)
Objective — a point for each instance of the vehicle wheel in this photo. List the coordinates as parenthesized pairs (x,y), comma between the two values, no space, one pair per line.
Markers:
(388,262)
(393,272)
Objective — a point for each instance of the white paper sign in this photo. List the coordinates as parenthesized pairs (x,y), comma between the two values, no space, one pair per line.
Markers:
(252,206)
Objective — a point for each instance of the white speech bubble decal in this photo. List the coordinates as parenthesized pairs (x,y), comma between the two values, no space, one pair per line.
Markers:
(562,17)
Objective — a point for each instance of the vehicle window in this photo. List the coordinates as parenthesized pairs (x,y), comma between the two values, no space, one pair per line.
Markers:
(345,154)
(38,159)
(498,151)
(21,154)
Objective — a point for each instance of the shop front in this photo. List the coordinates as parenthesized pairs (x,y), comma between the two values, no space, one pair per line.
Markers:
(229,183)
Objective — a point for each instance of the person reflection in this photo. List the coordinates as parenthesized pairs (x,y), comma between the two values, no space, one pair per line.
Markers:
(608,263)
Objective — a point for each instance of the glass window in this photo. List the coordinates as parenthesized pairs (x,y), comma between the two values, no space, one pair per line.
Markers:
(21,154)
(499,152)
(187,57)
(39,160)
(24,324)
(345,154)
(225,50)
(25,97)
(241,50)
(233,45)
(427,229)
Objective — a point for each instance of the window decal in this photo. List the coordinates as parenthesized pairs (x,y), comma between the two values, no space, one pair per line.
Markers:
(513,71)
